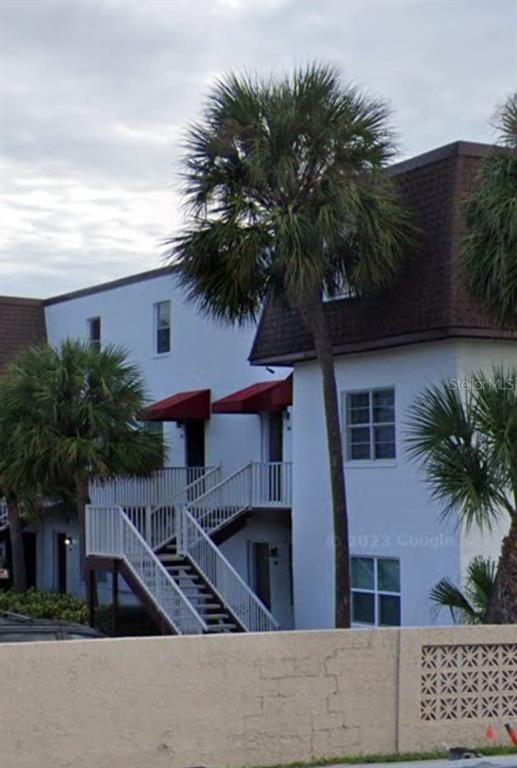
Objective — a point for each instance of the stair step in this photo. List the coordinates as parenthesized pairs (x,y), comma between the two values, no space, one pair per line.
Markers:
(202,596)
(214,628)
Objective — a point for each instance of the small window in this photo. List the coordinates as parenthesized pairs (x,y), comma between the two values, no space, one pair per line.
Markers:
(375,591)
(342,290)
(155,427)
(94,332)
(370,425)
(162,327)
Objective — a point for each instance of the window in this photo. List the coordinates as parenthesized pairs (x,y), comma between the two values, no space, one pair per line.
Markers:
(342,290)
(376,591)
(162,327)
(370,424)
(156,427)
(94,332)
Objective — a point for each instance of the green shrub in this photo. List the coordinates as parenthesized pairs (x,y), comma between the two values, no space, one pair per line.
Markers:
(42,604)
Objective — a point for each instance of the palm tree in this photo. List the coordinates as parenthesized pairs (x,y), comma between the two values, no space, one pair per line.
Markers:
(466,440)
(287,199)
(470,605)
(490,247)
(72,412)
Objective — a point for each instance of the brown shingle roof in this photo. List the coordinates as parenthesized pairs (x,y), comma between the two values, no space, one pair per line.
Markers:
(22,324)
(426,301)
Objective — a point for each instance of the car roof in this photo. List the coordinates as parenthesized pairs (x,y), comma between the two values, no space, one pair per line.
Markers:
(20,623)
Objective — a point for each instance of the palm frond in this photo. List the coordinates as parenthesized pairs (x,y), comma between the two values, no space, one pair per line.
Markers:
(284,193)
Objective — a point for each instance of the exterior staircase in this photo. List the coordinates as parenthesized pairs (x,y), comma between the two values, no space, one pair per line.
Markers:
(199,592)
(171,558)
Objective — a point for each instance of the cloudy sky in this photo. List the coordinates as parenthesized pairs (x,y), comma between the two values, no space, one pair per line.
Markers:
(96,95)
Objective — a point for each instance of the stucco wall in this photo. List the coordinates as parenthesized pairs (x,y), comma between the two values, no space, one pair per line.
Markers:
(204,354)
(251,699)
(391,512)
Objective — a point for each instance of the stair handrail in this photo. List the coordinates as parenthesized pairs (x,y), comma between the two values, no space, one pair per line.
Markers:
(230,587)
(244,471)
(160,525)
(214,473)
(110,533)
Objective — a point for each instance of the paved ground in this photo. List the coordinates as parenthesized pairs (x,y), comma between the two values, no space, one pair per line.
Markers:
(509,761)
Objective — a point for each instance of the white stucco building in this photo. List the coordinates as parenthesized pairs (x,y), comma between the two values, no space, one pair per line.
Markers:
(237,532)
(420,331)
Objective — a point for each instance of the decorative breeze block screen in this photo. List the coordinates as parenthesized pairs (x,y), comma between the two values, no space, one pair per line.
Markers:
(461,682)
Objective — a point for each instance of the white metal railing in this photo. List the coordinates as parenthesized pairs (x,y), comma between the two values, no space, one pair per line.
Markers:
(160,524)
(224,501)
(254,485)
(201,485)
(110,533)
(221,575)
(159,488)
(272,484)
(4,516)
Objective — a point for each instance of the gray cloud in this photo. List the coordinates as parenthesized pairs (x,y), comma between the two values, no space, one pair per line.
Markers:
(96,94)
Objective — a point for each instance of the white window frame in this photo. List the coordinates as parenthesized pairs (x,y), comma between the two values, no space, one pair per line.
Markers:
(345,291)
(370,425)
(376,592)
(94,343)
(156,329)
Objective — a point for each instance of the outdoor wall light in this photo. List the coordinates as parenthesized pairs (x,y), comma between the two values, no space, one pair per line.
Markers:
(68,541)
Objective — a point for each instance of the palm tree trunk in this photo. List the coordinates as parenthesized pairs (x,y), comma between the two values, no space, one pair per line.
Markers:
(317,322)
(82,499)
(503,605)
(17,549)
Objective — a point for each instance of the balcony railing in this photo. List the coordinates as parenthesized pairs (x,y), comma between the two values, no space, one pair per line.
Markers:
(159,488)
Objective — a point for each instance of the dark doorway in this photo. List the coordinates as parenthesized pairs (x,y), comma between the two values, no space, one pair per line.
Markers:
(276,452)
(276,455)
(195,442)
(29,546)
(260,578)
(61,551)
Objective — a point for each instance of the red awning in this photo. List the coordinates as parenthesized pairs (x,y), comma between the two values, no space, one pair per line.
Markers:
(265,396)
(184,405)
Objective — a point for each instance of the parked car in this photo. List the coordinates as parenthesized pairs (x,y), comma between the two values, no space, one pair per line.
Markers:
(15,628)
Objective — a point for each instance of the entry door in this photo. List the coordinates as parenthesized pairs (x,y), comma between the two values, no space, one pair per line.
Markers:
(260,576)
(194,445)
(61,562)
(29,548)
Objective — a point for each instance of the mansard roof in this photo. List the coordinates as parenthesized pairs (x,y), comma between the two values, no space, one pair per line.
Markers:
(22,325)
(427,300)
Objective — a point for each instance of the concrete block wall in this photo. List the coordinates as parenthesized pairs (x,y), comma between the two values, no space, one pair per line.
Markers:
(252,700)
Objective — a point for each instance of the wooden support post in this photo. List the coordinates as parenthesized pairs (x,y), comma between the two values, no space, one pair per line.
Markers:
(92,580)
(114,600)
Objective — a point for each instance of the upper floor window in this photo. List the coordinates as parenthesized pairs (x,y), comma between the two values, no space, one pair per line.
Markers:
(376,591)
(370,424)
(342,290)
(94,332)
(162,327)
